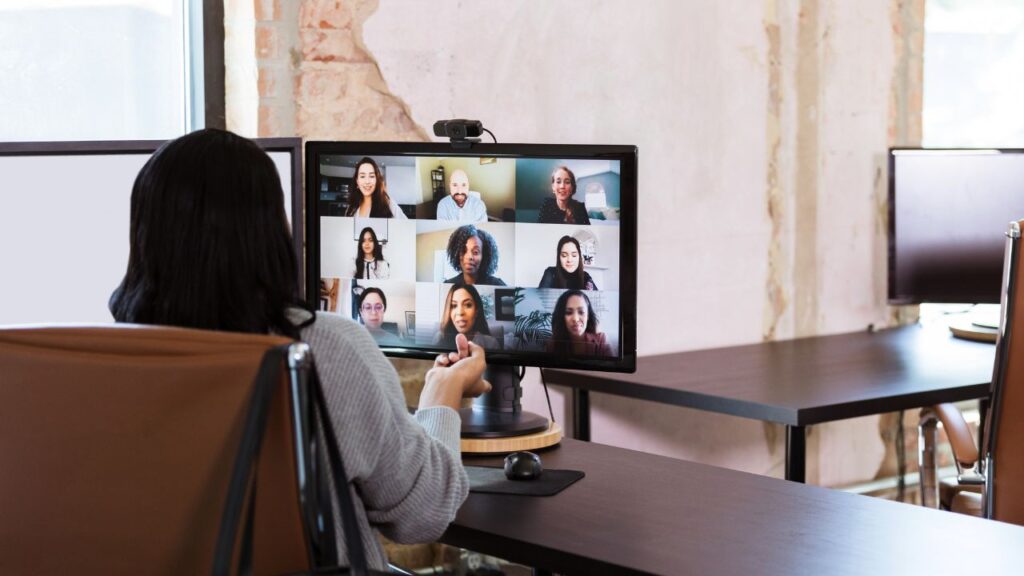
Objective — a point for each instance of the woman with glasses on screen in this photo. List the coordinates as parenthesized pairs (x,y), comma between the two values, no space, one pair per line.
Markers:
(561,208)
(372,305)
(370,263)
(210,248)
(463,314)
(568,270)
(474,253)
(574,328)
(368,196)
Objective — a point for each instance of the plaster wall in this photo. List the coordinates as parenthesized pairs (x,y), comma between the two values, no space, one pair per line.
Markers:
(762,129)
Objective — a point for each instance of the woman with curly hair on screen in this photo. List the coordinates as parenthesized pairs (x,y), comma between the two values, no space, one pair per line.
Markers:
(368,197)
(463,313)
(574,328)
(474,253)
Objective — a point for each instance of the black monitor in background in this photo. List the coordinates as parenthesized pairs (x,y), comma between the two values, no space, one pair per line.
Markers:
(473,241)
(948,212)
(64,220)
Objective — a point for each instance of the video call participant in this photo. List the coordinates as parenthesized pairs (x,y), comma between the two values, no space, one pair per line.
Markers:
(474,253)
(368,197)
(574,328)
(568,270)
(562,209)
(408,477)
(459,204)
(370,262)
(372,305)
(463,313)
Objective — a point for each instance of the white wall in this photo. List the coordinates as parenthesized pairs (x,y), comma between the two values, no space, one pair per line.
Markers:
(761,127)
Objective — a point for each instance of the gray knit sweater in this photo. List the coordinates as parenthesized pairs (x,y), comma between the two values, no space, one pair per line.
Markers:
(406,470)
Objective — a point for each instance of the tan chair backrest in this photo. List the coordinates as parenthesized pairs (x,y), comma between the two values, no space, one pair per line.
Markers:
(116,446)
(1006,440)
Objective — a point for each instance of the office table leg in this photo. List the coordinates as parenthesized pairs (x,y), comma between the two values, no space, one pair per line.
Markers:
(581,414)
(796,453)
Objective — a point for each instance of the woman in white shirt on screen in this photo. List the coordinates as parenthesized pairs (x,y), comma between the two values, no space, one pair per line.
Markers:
(370,263)
(369,198)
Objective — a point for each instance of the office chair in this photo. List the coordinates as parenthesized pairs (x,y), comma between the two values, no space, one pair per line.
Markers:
(118,443)
(990,482)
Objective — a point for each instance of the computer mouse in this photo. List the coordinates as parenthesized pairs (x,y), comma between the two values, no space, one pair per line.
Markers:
(523,466)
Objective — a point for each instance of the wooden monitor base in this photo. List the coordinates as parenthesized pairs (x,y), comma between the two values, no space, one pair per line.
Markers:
(968,331)
(549,437)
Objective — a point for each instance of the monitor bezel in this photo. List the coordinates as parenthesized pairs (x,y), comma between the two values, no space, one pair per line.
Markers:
(626,154)
(893,297)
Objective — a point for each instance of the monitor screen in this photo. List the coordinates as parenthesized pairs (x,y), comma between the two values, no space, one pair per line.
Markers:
(528,250)
(64,219)
(948,213)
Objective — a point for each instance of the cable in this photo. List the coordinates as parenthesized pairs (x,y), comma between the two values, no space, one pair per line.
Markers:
(491,133)
(546,395)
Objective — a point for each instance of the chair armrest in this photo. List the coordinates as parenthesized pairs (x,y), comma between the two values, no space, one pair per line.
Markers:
(965,451)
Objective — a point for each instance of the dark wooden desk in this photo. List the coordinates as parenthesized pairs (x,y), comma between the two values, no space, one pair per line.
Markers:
(641,513)
(801,382)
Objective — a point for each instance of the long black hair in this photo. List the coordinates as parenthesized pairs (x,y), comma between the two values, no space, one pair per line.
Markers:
(378,250)
(560,341)
(564,278)
(479,321)
(210,245)
(380,202)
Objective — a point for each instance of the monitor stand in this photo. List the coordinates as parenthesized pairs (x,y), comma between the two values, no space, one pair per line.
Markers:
(985,316)
(498,413)
(980,324)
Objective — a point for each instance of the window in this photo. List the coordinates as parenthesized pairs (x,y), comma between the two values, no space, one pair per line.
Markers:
(973,85)
(99,69)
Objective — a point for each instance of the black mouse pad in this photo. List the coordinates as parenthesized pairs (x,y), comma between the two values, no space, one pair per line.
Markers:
(487,480)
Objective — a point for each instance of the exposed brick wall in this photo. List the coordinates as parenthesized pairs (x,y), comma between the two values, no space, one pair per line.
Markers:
(339,92)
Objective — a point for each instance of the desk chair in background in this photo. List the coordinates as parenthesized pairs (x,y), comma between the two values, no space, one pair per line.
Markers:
(990,482)
(117,444)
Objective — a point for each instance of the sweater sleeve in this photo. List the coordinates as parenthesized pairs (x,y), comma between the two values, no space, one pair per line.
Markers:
(407,470)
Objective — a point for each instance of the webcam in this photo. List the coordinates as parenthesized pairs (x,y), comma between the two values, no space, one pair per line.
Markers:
(462,133)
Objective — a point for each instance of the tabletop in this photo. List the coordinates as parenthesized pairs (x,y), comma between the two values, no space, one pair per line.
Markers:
(637,513)
(807,380)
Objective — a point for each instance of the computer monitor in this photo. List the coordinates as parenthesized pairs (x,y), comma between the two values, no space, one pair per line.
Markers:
(948,211)
(64,219)
(527,249)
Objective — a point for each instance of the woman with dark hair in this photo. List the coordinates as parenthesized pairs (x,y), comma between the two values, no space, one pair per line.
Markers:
(210,248)
(370,262)
(368,196)
(574,328)
(474,253)
(562,209)
(372,304)
(463,313)
(568,270)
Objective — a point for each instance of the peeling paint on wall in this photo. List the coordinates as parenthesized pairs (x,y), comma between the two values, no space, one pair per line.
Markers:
(339,90)
(808,163)
(775,292)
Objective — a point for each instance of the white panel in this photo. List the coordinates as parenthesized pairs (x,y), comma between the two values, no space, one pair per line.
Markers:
(64,223)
